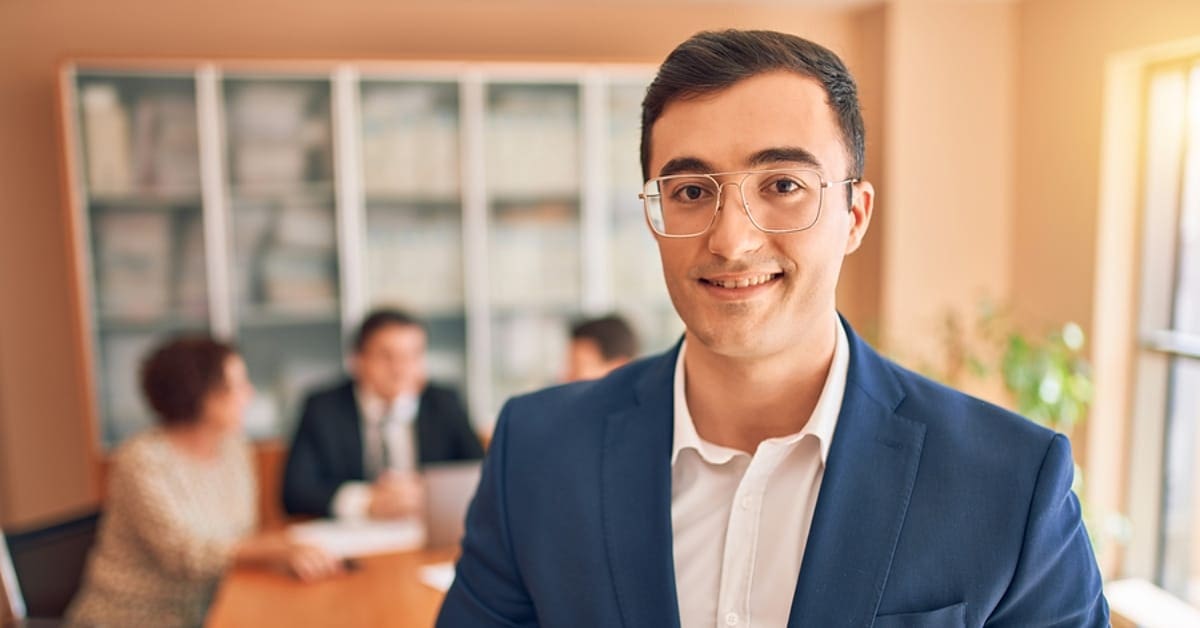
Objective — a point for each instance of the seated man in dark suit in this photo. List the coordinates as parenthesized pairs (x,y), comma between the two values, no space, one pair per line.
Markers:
(361,442)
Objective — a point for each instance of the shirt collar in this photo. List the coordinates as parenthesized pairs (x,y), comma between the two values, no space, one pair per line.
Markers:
(821,423)
(374,408)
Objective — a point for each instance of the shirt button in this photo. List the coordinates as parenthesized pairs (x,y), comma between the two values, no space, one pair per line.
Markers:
(731,619)
(747,503)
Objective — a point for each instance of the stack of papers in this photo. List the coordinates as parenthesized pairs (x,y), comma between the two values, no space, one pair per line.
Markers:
(438,575)
(350,539)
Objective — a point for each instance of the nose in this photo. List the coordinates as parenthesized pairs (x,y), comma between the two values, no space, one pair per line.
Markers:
(732,234)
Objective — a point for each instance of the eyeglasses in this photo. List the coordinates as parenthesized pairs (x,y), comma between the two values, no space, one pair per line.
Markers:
(776,201)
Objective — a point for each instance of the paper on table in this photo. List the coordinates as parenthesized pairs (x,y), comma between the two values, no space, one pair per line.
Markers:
(438,575)
(348,539)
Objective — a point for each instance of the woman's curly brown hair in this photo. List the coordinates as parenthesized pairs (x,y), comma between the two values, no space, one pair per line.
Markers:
(180,374)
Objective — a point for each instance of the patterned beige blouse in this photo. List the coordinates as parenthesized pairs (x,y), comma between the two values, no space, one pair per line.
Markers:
(170,523)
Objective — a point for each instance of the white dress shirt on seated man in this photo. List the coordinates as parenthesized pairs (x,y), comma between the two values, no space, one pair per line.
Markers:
(389,444)
(741,521)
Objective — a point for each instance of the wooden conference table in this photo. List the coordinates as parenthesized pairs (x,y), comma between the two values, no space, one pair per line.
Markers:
(385,590)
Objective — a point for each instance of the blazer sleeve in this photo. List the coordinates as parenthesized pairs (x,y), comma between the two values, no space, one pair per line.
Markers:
(307,487)
(488,591)
(1056,581)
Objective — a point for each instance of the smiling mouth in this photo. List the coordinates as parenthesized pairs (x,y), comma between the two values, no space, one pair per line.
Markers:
(742,282)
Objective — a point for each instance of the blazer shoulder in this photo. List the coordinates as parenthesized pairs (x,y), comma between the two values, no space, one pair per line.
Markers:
(974,427)
(440,392)
(332,392)
(329,404)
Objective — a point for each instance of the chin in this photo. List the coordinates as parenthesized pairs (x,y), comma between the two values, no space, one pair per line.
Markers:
(732,340)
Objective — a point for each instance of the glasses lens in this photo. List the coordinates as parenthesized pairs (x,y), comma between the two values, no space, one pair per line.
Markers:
(783,200)
(682,205)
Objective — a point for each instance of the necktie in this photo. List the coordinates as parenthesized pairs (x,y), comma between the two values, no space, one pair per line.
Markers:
(386,425)
(396,446)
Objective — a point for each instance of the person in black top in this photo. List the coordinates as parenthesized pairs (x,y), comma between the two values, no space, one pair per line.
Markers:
(361,442)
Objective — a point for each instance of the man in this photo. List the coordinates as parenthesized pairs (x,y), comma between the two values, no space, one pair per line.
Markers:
(773,469)
(598,346)
(361,442)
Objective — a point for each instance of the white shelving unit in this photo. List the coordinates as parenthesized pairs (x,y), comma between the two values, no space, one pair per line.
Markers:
(273,204)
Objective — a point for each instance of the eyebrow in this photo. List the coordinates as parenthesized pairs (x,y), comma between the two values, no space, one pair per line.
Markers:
(775,155)
(681,165)
(791,154)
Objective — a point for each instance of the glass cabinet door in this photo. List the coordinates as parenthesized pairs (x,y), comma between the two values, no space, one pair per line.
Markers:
(638,289)
(283,238)
(140,178)
(532,139)
(414,215)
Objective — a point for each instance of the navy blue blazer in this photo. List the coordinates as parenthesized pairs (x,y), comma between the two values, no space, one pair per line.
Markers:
(936,509)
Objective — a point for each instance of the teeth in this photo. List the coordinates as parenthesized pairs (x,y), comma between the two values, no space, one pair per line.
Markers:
(744,282)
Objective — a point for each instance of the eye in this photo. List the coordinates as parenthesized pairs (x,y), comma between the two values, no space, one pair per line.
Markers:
(784,185)
(690,191)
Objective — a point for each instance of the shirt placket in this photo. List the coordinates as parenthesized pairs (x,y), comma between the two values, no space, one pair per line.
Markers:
(741,539)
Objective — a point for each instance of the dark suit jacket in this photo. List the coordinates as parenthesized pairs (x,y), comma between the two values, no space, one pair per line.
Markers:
(328,447)
(936,509)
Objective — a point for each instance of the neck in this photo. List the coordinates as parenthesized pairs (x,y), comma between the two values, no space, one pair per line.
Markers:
(740,401)
(198,440)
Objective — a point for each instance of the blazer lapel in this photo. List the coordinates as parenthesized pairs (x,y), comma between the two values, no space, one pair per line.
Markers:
(636,501)
(864,498)
(352,443)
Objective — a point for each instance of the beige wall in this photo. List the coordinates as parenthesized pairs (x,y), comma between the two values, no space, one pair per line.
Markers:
(1064,45)
(945,204)
(859,287)
(46,468)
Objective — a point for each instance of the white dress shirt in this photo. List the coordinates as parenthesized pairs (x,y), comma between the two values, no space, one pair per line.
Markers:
(740,522)
(391,425)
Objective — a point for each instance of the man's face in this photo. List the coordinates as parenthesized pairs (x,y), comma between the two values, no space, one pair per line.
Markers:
(772,120)
(392,361)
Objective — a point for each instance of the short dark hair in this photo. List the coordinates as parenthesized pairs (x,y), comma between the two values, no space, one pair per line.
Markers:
(378,319)
(612,335)
(713,60)
(178,375)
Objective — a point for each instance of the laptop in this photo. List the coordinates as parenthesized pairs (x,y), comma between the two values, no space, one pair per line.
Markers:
(449,488)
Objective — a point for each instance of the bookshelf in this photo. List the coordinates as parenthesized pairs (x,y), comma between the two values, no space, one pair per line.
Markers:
(274,203)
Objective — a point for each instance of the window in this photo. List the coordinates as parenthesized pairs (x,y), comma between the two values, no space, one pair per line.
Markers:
(1169,318)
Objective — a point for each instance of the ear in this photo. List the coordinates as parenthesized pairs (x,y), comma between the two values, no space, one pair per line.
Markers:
(861,209)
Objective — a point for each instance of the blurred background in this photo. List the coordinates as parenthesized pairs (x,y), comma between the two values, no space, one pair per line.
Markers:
(270,171)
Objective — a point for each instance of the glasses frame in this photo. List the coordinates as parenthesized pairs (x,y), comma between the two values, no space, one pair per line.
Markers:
(745,174)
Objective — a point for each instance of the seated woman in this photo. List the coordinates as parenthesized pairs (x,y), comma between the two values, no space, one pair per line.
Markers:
(181,503)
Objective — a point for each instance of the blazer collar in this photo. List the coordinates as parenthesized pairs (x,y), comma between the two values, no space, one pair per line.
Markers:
(863,500)
(635,495)
(351,445)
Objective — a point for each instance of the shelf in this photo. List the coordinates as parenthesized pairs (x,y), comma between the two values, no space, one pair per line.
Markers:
(110,324)
(536,310)
(322,191)
(278,316)
(403,200)
(430,202)
(441,315)
(507,201)
(164,201)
